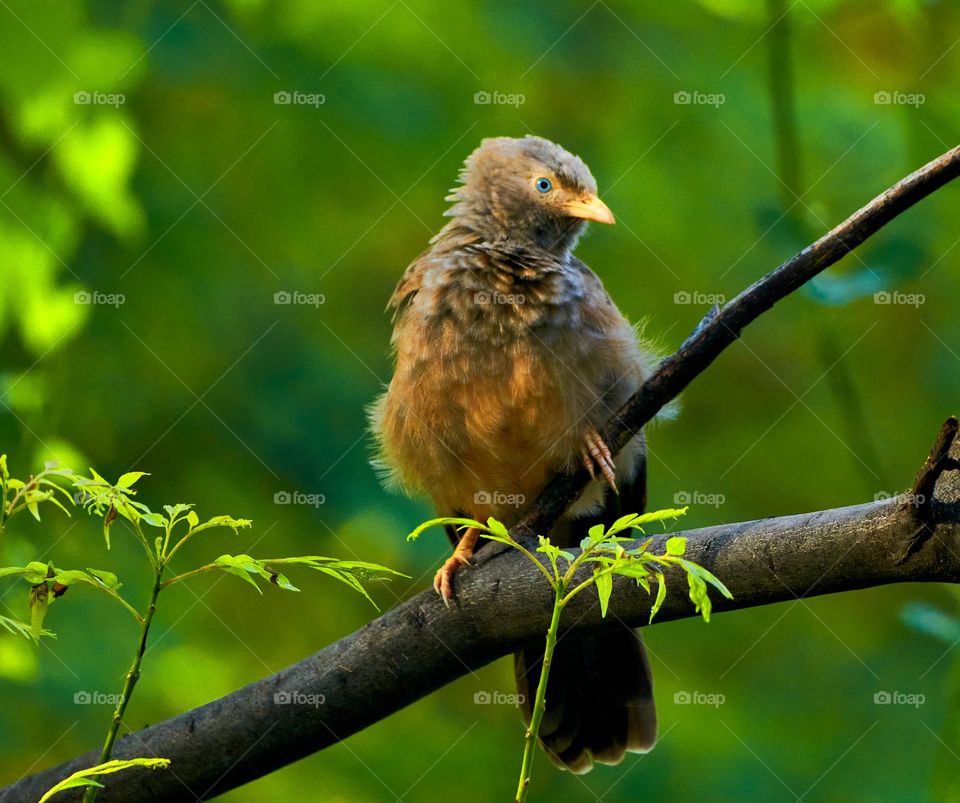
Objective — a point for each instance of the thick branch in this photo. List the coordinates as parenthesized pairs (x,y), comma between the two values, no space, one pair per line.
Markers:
(419,646)
(505,604)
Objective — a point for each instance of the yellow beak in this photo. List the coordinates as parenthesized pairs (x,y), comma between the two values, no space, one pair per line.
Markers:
(590,207)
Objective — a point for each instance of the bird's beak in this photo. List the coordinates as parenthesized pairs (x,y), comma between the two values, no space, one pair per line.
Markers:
(589,207)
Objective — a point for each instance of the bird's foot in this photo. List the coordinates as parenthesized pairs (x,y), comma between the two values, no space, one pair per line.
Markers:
(443,580)
(596,455)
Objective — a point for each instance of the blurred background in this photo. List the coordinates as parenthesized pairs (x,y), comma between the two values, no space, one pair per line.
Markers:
(168,169)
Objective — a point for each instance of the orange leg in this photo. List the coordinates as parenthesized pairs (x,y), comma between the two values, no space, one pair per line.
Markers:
(443,581)
(596,454)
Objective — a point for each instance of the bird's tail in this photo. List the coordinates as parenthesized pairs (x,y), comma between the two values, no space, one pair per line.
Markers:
(599,700)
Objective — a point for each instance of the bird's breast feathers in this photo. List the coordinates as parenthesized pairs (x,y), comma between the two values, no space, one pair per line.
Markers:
(500,371)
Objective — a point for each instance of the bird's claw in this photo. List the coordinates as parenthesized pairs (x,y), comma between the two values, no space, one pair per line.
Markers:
(443,580)
(596,455)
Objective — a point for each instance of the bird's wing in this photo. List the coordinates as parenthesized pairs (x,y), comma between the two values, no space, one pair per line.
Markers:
(408,285)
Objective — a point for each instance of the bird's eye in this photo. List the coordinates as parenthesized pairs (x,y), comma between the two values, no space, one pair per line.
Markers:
(543,185)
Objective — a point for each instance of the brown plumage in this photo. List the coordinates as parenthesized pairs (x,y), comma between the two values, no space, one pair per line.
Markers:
(509,357)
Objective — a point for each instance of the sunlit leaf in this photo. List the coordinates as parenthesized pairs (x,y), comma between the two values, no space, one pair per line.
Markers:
(84,778)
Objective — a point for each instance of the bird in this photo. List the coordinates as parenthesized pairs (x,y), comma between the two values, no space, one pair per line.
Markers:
(509,356)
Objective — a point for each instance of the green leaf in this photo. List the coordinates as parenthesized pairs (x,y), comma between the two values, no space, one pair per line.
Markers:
(676,546)
(281,581)
(173,511)
(36,572)
(497,528)
(632,568)
(154,520)
(241,566)
(192,519)
(443,522)
(658,515)
(70,577)
(19,628)
(661,594)
(106,579)
(547,548)
(224,521)
(604,583)
(623,523)
(129,479)
(699,596)
(84,778)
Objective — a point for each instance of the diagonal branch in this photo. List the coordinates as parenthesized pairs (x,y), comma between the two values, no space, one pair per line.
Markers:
(420,646)
(721,327)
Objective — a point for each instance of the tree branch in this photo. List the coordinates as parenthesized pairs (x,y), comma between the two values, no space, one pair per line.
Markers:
(721,327)
(420,646)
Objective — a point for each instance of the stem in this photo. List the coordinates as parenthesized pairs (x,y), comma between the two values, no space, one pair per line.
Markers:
(205,568)
(129,682)
(124,603)
(539,703)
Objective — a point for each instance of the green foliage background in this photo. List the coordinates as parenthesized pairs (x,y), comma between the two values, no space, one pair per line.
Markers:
(199,198)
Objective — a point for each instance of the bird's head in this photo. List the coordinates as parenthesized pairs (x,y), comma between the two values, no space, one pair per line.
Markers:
(526,193)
